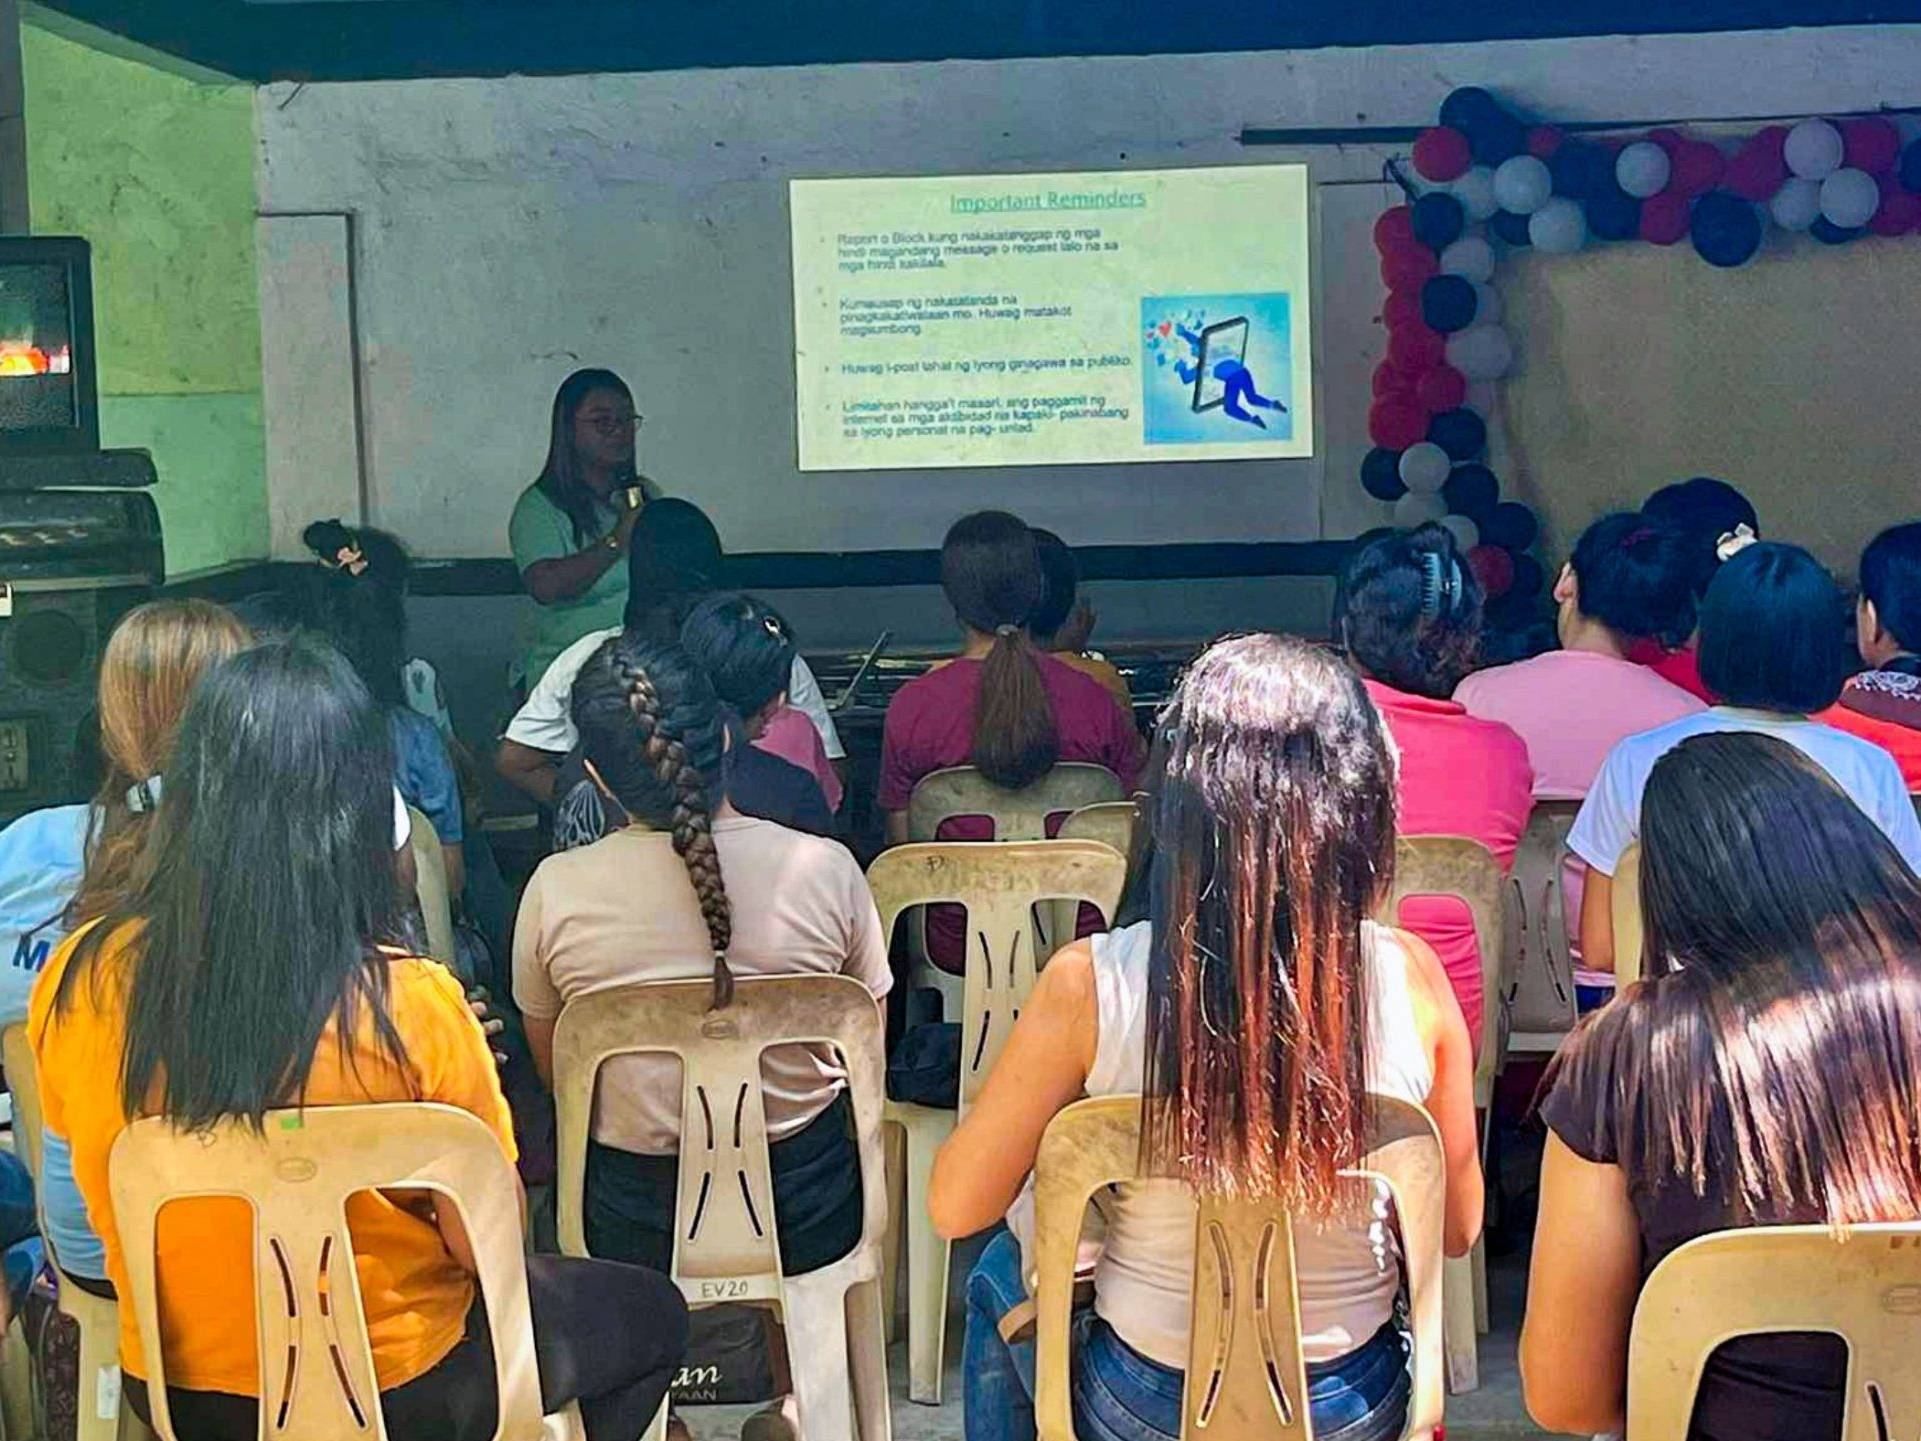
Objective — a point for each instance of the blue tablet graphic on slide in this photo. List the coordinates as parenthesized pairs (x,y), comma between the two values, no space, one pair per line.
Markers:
(1216,369)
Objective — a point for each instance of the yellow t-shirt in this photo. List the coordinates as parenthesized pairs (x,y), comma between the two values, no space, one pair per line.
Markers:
(415,1295)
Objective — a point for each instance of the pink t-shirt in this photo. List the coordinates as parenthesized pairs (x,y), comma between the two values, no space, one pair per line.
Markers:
(930,727)
(1460,776)
(792,737)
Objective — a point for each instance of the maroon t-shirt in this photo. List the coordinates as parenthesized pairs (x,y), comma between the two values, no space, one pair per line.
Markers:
(930,727)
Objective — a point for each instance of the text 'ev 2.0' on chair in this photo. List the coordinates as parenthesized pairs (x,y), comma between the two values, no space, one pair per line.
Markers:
(1467,871)
(999,883)
(726,1247)
(100,1415)
(1245,1376)
(316,1368)
(1864,1287)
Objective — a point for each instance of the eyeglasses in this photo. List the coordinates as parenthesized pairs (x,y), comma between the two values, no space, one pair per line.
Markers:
(614,424)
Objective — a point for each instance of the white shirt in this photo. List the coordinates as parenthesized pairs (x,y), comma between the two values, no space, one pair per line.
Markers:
(1610,817)
(546,721)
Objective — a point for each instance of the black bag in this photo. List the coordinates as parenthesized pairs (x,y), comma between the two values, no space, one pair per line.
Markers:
(729,1361)
(925,1066)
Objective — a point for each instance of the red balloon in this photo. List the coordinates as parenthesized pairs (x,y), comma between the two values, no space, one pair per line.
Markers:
(1413,348)
(1396,421)
(1408,269)
(1390,381)
(1900,210)
(1442,388)
(1543,141)
(1493,568)
(1403,307)
(1395,229)
(1442,153)
(1870,143)
(1665,218)
(1760,167)
(1698,167)
(1668,138)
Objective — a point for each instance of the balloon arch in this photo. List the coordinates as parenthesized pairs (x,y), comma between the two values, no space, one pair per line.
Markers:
(1492,184)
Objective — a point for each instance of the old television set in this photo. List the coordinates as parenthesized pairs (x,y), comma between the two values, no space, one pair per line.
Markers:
(49,401)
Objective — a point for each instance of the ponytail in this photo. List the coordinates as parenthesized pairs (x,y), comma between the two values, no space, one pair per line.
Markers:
(1016,736)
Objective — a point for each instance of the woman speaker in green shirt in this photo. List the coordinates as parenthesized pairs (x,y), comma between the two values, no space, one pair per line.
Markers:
(570,527)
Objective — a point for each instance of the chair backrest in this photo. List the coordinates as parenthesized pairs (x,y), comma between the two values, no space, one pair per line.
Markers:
(24,1084)
(1113,823)
(1541,969)
(1245,1375)
(1465,869)
(999,883)
(430,885)
(1017,815)
(317,1376)
(1865,1288)
(1630,936)
(725,1244)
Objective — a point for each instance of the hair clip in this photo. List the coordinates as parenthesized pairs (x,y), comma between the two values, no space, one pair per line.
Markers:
(349,559)
(1007,630)
(144,796)
(773,627)
(1441,591)
(1734,542)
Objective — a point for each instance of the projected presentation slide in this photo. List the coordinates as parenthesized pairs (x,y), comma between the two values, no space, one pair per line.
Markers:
(1052,319)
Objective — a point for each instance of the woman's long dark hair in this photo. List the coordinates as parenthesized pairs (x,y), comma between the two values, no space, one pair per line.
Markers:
(673,562)
(559,478)
(991,571)
(1775,1051)
(360,604)
(652,728)
(1272,817)
(745,648)
(267,885)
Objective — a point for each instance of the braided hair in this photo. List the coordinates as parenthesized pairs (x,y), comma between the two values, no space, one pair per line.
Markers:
(653,728)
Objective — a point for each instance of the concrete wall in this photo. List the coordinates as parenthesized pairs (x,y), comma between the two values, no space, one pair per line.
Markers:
(157,171)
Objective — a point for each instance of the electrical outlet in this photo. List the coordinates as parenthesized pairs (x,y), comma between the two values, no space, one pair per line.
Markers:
(13,755)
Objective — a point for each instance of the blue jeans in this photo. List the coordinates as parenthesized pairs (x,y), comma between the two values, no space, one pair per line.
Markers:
(1120,1395)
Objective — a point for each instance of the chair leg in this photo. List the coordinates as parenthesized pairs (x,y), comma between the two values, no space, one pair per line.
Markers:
(867,1359)
(657,1428)
(927,1261)
(815,1306)
(101,1416)
(1457,1317)
(893,1139)
(1477,1259)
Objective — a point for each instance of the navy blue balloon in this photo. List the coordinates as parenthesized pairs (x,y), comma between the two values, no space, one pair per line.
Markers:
(1496,138)
(1448,303)
(1529,577)
(1828,233)
(1472,491)
(1381,474)
(1511,526)
(1438,220)
(1469,106)
(1612,214)
(1510,228)
(1910,172)
(1460,432)
(1726,229)
(1579,169)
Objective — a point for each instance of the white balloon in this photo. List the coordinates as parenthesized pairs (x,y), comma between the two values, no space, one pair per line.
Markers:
(1849,198)
(1523,184)
(1470,257)
(1558,227)
(1797,204)
(1424,468)
(1475,190)
(1642,169)
(1418,508)
(1466,533)
(1482,352)
(1814,149)
(1487,305)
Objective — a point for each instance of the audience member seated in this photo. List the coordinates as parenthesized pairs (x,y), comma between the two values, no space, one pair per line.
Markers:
(1273,813)
(65,865)
(1063,621)
(1001,706)
(1771,645)
(1714,517)
(1409,613)
(253,962)
(1628,578)
(686,888)
(1764,1075)
(676,561)
(1883,702)
(571,528)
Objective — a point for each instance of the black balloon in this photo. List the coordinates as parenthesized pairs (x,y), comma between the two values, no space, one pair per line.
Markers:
(1438,220)
(1528,578)
(1381,474)
(1468,107)
(1511,228)
(1461,433)
(1579,168)
(1472,491)
(1910,171)
(1726,229)
(1828,233)
(1448,303)
(1612,214)
(1496,138)
(1511,526)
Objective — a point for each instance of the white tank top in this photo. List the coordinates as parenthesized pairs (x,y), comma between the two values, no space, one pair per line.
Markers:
(1348,1277)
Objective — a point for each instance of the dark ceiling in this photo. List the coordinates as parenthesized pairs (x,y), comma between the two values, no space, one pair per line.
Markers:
(395,39)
